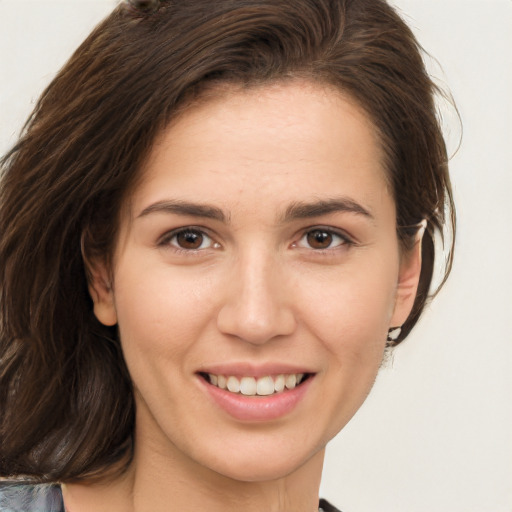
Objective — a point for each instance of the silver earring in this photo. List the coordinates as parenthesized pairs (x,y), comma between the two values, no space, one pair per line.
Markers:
(393,335)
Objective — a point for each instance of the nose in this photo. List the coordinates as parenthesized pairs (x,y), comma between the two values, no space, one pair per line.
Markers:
(257,306)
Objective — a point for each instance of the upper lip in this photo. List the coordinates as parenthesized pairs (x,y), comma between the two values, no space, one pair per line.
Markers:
(245,369)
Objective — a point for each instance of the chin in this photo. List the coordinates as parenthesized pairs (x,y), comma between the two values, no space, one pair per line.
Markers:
(263,460)
(262,470)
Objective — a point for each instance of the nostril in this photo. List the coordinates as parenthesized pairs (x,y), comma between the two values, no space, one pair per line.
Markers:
(256,323)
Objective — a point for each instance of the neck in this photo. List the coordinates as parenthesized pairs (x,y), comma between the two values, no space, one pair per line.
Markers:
(154,481)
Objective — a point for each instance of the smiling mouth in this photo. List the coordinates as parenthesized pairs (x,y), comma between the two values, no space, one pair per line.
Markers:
(251,386)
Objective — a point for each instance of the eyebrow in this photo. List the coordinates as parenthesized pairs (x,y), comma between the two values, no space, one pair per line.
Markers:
(185,208)
(296,210)
(303,210)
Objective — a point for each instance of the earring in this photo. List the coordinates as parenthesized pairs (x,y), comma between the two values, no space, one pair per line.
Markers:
(422,226)
(393,335)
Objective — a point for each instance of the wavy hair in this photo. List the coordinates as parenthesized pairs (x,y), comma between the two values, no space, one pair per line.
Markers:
(66,403)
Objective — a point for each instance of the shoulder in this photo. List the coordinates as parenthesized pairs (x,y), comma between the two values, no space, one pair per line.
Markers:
(325,506)
(20,497)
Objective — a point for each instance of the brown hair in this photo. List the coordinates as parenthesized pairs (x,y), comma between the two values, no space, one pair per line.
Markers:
(66,403)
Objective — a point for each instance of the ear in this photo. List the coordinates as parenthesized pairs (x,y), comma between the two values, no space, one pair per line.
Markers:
(408,280)
(100,290)
(102,296)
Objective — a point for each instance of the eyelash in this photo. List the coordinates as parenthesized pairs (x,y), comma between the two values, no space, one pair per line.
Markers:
(167,240)
(344,240)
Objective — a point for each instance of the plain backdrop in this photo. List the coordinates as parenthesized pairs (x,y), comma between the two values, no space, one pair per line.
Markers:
(436,432)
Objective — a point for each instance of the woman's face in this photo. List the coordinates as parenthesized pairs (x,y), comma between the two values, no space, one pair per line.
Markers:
(258,252)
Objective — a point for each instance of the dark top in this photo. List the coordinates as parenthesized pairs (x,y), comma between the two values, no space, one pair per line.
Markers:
(16,497)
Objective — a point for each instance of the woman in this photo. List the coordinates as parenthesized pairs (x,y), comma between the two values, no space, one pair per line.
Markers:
(219,216)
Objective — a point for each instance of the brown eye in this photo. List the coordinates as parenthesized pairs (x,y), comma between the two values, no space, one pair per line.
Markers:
(319,239)
(322,239)
(189,239)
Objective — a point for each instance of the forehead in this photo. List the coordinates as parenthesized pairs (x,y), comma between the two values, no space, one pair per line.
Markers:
(277,143)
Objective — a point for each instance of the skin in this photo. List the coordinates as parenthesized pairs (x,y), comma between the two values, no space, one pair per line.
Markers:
(257,290)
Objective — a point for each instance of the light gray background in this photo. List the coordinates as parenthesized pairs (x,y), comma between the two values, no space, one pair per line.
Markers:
(436,432)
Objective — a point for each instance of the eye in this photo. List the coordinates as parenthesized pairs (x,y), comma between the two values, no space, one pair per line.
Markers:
(189,239)
(322,239)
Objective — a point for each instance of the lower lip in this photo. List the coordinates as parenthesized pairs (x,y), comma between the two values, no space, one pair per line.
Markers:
(258,408)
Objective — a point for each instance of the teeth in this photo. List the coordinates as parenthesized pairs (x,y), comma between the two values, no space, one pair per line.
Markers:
(233,385)
(265,386)
(290,381)
(279,383)
(249,386)
(221,381)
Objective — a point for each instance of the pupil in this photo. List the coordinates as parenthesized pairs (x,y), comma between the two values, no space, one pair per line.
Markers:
(319,239)
(190,239)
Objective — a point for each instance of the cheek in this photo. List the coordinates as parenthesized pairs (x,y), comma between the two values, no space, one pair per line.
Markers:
(351,306)
(161,313)
(349,320)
